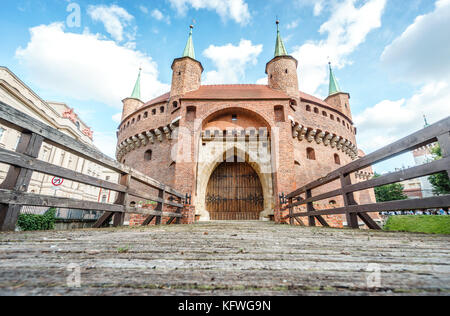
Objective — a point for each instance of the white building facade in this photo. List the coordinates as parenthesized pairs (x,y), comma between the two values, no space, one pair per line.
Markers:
(59,116)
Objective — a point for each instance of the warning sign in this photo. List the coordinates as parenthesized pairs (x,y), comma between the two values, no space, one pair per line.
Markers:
(57,181)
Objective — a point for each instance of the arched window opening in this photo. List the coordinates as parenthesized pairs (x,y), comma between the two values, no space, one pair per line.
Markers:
(332,117)
(161,109)
(333,202)
(324,114)
(308,108)
(145,115)
(133,204)
(148,155)
(316,110)
(139,118)
(339,120)
(132,121)
(337,159)
(310,154)
(175,104)
(154,112)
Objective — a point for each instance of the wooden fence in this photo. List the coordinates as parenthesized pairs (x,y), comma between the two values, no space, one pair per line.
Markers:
(439,132)
(23,162)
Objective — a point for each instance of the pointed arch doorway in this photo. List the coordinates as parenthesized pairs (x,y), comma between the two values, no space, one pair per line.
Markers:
(234,192)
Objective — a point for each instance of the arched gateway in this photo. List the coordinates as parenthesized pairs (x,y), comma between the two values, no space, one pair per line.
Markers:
(234,192)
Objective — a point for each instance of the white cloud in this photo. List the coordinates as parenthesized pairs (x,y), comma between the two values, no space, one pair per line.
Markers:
(236,10)
(318,5)
(419,56)
(293,25)
(85,67)
(143,9)
(388,121)
(346,29)
(106,142)
(117,117)
(114,18)
(426,45)
(157,14)
(231,61)
(263,81)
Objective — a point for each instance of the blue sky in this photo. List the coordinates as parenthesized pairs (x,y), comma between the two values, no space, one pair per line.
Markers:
(391,55)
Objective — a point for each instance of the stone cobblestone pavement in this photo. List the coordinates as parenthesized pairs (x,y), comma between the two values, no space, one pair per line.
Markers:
(224,258)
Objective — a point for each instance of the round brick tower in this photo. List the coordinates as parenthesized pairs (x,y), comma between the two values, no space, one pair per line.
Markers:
(236,148)
(282,69)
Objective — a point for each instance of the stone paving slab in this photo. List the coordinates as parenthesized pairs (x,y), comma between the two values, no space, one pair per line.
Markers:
(224,258)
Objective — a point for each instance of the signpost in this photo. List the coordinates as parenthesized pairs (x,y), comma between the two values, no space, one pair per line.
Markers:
(57,182)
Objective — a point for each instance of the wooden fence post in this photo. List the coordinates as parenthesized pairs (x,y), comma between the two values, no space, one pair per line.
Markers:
(444,143)
(160,206)
(310,208)
(18,179)
(291,212)
(179,211)
(349,199)
(122,199)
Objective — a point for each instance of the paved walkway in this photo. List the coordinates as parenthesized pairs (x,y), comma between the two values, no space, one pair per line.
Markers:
(224,258)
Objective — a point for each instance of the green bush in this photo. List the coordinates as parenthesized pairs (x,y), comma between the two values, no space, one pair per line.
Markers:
(32,222)
(419,224)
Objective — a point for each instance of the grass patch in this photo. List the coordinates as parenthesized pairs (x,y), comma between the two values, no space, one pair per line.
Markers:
(419,224)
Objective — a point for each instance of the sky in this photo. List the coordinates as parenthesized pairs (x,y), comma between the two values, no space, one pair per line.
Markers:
(392,56)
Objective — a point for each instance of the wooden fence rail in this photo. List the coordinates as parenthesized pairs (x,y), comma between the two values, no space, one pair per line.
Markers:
(23,162)
(439,132)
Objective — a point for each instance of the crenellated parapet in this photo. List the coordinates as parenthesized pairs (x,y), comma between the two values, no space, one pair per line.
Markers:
(145,138)
(326,138)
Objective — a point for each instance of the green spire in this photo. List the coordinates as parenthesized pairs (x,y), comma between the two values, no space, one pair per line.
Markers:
(189,49)
(334,85)
(137,87)
(426,121)
(280,49)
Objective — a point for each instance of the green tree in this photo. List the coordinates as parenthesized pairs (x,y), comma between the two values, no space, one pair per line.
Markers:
(390,192)
(439,181)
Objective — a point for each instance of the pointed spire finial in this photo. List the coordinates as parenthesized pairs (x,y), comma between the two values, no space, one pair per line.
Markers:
(189,49)
(334,85)
(280,49)
(137,87)
(426,121)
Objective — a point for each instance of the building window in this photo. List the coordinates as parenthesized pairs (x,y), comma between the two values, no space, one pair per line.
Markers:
(337,159)
(286,71)
(154,112)
(145,115)
(310,154)
(161,109)
(104,197)
(308,108)
(234,117)
(175,104)
(293,103)
(316,110)
(332,117)
(333,202)
(148,155)
(2,132)
(339,120)
(139,118)
(132,121)
(324,114)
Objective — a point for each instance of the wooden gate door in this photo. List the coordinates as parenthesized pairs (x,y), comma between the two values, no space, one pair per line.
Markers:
(234,193)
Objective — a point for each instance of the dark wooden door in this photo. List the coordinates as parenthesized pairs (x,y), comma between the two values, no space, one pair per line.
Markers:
(234,193)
